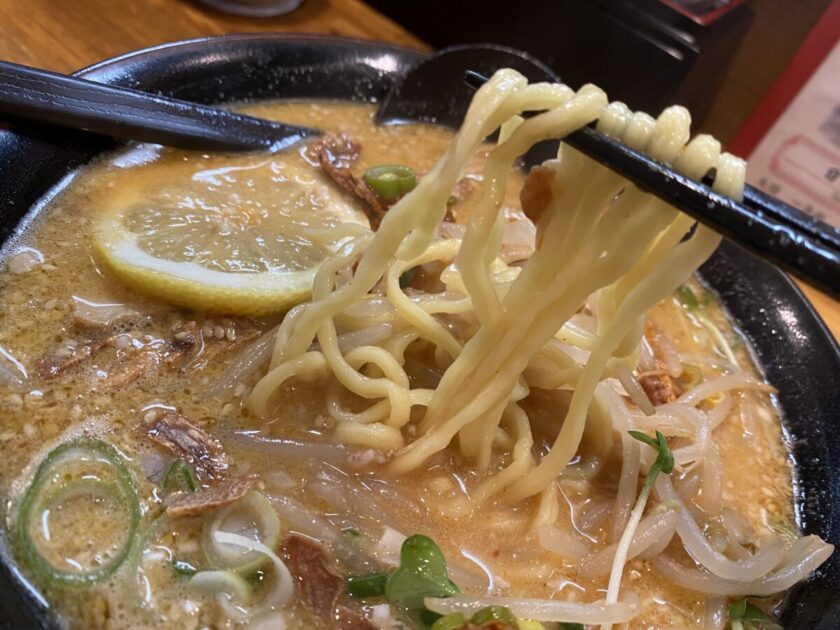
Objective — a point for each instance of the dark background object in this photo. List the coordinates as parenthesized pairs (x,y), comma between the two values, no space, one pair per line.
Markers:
(641,52)
(739,59)
(797,353)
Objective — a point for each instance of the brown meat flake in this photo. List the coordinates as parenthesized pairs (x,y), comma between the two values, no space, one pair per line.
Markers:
(657,383)
(194,445)
(337,155)
(319,585)
(210,499)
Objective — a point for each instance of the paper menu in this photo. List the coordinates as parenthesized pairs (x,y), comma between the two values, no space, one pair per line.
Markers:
(798,159)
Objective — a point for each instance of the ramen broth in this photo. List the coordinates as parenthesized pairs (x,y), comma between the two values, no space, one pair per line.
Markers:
(51,265)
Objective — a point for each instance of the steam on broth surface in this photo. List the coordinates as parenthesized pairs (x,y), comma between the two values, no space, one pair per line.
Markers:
(87,359)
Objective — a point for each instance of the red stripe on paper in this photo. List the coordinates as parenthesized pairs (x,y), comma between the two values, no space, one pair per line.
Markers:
(819,43)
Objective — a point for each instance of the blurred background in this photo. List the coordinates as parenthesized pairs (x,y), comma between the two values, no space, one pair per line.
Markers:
(716,57)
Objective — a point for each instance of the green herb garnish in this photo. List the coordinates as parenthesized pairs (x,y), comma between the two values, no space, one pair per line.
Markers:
(664,457)
(422,573)
(664,463)
(363,586)
(571,626)
(746,616)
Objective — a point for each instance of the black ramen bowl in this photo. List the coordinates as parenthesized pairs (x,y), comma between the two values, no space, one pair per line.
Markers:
(792,345)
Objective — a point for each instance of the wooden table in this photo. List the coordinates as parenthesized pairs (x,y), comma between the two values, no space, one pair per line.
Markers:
(66,36)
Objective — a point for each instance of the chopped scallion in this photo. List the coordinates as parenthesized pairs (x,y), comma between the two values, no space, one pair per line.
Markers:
(390,181)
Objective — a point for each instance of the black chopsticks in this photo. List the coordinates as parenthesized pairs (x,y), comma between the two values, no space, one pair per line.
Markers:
(800,244)
(33,95)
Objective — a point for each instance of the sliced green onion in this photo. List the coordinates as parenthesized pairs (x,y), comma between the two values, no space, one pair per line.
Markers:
(390,181)
(228,582)
(103,460)
(362,586)
(450,621)
(252,516)
(492,613)
(179,478)
(282,587)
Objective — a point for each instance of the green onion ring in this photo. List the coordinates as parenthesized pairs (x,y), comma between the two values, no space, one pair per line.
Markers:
(126,493)
(390,181)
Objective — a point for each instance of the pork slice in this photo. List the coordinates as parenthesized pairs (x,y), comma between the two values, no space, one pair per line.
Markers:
(337,155)
(320,586)
(184,439)
(210,499)
(319,583)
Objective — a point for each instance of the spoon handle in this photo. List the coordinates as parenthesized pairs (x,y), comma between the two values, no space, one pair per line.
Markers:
(33,95)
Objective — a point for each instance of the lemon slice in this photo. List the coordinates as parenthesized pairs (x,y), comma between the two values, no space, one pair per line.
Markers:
(221,248)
